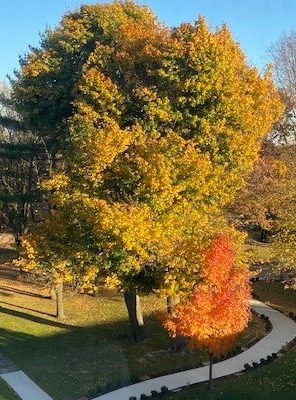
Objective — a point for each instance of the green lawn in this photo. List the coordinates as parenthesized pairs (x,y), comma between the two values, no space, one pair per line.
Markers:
(274,382)
(92,347)
(276,296)
(6,393)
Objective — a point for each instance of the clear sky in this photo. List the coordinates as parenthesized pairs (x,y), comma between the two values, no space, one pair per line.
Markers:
(255,24)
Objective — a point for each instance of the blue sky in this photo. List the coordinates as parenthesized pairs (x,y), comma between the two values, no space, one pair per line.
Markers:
(255,24)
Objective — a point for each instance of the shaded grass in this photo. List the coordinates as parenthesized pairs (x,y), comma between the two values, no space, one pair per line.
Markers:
(6,393)
(92,347)
(273,382)
(274,294)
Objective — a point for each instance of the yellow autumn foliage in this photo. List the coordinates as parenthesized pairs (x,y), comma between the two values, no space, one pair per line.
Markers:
(156,127)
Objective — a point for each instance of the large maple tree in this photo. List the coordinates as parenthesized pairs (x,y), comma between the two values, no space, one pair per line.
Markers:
(155,127)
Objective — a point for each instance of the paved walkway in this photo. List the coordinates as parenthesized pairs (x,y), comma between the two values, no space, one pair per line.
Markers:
(283,332)
(24,386)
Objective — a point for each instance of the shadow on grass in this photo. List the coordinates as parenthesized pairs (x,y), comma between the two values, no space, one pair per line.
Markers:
(7,253)
(26,308)
(10,290)
(34,318)
(6,294)
(68,361)
(77,360)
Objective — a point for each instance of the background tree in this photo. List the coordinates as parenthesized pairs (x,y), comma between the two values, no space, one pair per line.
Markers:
(283,57)
(24,162)
(258,204)
(283,240)
(284,245)
(156,128)
(218,310)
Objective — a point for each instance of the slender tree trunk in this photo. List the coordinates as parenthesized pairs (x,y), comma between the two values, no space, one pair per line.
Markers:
(133,305)
(172,301)
(211,373)
(17,239)
(263,238)
(53,293)
(179,343)
(96,292)
(59,301)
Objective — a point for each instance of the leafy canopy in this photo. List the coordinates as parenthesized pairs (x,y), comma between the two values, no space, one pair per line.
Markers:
(155,127)
(218,309)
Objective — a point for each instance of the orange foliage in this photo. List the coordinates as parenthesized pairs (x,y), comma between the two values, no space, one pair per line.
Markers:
(218,309)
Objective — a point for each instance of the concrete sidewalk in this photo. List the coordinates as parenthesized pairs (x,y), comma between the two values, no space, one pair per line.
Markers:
(24,387)
(20,382)
(283,332)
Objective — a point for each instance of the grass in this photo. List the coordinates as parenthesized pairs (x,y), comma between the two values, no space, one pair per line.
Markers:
(91,348)
(274,382)
(6,393)
(276,296)
(260,253)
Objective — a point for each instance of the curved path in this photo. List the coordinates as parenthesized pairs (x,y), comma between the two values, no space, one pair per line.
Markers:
(283,332)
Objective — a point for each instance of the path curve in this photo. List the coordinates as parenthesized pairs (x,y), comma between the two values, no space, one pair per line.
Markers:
(283,331)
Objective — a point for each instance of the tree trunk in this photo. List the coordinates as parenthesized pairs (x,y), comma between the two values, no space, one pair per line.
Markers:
(179,343)
(263,238)
(133,305)
(53,294)
(17,239)
(59,301)
(172,301)
(211,373)
(97,282)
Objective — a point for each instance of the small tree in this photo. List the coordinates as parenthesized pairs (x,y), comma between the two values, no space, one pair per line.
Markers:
(218,309)
(57,247)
